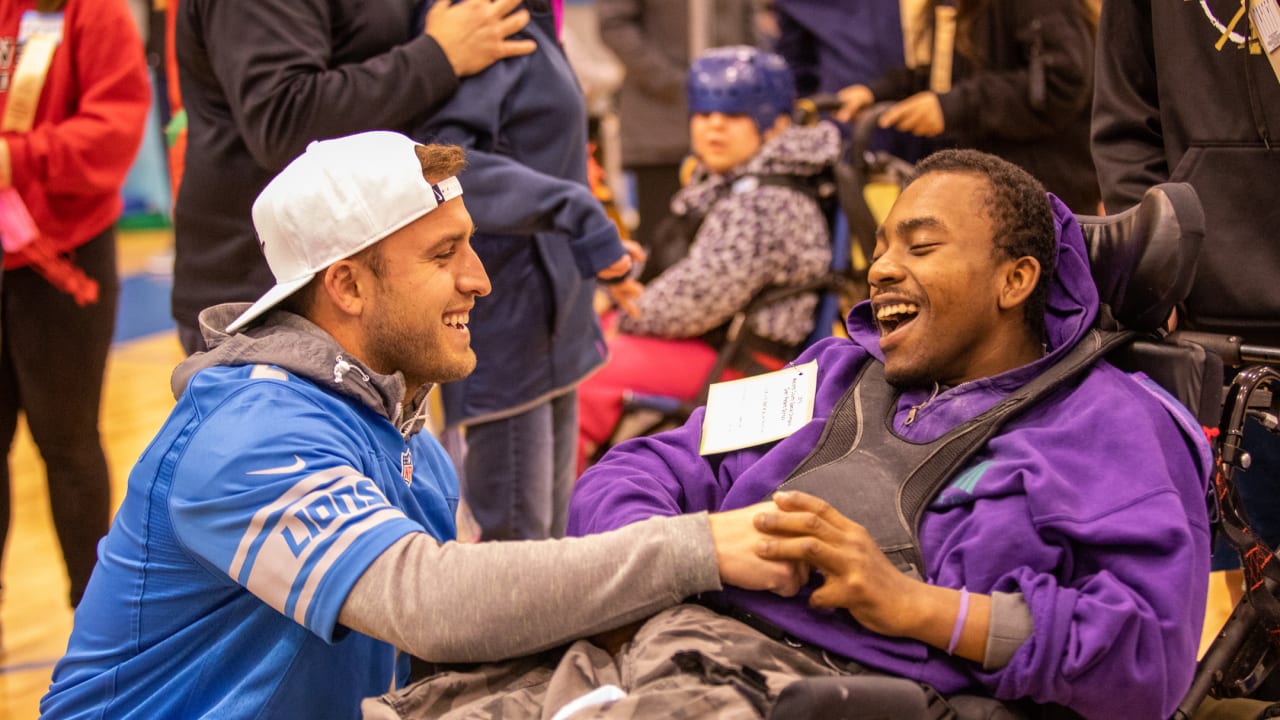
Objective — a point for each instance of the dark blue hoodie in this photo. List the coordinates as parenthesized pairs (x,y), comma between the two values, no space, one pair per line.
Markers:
(540,233)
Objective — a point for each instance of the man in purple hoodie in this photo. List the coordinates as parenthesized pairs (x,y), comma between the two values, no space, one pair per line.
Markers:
(1064,562)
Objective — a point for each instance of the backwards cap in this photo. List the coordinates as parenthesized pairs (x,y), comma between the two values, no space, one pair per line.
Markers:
(741,80)
(336,199)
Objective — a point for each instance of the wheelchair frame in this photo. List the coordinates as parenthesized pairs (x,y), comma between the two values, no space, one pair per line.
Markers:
(1247,648)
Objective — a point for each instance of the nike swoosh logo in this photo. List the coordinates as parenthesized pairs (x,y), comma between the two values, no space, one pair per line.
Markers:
(297,465)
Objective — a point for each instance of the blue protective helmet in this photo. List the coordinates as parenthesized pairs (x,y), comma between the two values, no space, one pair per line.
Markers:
(741,80)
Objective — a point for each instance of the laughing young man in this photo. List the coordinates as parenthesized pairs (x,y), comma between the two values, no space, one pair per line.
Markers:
(1065,561)
(280,539)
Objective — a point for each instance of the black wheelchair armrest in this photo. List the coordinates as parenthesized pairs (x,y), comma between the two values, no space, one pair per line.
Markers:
(1187,370)
(872,696)
(859,697)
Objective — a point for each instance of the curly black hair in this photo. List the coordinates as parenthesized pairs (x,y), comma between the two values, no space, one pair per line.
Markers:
(1021,217)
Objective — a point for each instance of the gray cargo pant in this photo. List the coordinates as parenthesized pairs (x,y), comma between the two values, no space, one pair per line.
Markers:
(685,662)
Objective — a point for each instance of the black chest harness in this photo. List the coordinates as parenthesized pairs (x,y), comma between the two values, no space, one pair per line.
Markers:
(882,481)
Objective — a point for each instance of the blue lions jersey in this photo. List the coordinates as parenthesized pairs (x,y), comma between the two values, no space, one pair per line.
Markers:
(246,523)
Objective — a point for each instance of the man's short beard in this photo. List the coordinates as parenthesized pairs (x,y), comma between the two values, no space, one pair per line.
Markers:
(391,348)
(452,374)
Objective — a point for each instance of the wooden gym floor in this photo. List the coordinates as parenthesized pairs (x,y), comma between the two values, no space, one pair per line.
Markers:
(34,616)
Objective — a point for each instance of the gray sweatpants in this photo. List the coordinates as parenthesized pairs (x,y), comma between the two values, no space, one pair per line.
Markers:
(685,662)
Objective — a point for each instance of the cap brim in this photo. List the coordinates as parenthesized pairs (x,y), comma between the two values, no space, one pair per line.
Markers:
(269,300)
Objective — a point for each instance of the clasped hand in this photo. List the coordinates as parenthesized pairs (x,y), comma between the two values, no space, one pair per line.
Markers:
(772,546)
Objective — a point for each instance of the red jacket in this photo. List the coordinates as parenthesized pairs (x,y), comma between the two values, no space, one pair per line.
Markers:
(71,166)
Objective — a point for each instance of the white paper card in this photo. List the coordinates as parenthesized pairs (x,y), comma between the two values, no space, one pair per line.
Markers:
(757,410)
(1266,23)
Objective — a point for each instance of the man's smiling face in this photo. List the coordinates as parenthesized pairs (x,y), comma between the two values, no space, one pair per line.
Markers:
(427,280)
(936,282)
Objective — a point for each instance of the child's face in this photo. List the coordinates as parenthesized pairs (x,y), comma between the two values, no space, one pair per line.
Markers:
(722,142)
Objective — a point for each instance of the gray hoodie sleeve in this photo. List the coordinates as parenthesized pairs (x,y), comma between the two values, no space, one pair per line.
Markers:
(472,603)
(1010,627)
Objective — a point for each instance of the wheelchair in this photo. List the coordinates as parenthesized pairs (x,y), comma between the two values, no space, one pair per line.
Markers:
(1143,262)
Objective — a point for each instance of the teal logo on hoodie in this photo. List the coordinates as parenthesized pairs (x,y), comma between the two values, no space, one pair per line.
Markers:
(961,489)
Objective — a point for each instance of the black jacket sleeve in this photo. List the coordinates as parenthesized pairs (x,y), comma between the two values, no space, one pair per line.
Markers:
(275,60)
(898,83)
(1128,145)
(998,101)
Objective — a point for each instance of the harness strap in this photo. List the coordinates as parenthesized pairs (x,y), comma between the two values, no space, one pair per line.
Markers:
(858,463)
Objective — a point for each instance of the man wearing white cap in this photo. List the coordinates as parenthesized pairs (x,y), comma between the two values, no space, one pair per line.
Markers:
(280,538)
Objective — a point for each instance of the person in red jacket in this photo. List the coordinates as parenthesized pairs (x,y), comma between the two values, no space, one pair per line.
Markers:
(74,95)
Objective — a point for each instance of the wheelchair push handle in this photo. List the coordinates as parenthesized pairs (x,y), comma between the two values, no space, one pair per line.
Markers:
(808,110)
(1233,350)
(865,126)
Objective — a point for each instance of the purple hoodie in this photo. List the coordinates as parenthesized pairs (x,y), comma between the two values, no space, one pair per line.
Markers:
(1090,505)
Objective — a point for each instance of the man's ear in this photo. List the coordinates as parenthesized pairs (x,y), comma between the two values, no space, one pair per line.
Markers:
(345,284)
(1020,278)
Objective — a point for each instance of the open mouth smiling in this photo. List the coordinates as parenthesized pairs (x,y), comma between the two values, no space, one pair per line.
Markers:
(891,317)
(457,320)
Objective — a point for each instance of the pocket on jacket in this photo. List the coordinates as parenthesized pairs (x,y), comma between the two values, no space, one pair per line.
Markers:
(1240,260)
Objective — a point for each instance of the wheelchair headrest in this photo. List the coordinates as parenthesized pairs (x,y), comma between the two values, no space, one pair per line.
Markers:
(1144,259)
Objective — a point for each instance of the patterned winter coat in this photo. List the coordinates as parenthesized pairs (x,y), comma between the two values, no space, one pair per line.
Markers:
(754,237)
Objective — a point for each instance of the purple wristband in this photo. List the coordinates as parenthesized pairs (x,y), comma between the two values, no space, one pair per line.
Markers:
(960,618)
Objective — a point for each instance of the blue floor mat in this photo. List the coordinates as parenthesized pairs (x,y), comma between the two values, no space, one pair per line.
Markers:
(144,306)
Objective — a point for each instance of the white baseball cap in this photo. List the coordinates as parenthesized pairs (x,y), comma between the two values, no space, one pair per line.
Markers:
(336,199)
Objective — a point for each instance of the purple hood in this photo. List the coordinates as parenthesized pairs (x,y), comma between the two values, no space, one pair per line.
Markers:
(1071,307)
(1090,505)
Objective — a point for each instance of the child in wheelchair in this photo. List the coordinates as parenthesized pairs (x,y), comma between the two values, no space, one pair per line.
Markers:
(748,220)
